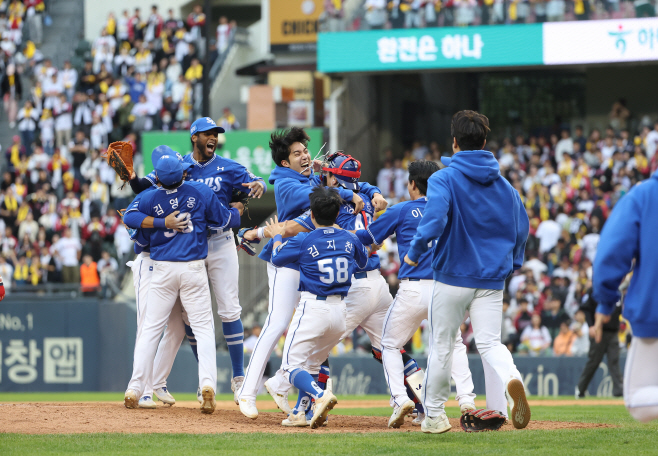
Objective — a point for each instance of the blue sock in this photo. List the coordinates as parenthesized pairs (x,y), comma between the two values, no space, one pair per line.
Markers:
(234,335)
(192,340)
(303,402)
(304,382)
(323,376)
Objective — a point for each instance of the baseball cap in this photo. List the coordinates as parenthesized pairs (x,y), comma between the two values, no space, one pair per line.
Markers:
(169,169)
(204,124)
(161,151)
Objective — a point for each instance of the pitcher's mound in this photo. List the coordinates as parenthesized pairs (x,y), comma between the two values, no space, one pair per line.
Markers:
(95,417)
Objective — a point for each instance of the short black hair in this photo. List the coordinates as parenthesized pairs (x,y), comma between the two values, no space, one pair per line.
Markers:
(325,204)
(420,171)
(470,129)
(280,142)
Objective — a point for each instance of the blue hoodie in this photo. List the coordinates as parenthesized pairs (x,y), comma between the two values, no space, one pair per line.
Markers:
(291,193)
(479,221)
(630,233)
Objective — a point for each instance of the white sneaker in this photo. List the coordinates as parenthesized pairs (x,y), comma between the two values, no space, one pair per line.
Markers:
(419,419)
(437,425)
(208,395)
(397,418)
(519,407)
(295,420)
(198,396)
(323,406)
(146,402)
(236,384)
(130,399)
(248,408)
(163,396)
(463,408)
(280,399)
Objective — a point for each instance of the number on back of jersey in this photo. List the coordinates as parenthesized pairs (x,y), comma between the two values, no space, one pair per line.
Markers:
(334,270)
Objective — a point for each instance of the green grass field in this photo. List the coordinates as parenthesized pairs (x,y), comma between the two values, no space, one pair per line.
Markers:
(628,437)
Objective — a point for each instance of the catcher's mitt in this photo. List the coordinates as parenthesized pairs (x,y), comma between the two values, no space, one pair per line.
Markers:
(119,156)
(241,197)
(245,244)
(482,420)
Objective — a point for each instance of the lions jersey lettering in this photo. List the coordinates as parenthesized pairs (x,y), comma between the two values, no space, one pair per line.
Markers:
(326,257)
(401,219)
(214,184)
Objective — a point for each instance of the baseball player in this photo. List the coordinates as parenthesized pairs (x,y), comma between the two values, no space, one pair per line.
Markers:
(293,181)
(326,257)
(411,302)
(142,269)
(629,238)
(481,227)
(222,176)
(178,269)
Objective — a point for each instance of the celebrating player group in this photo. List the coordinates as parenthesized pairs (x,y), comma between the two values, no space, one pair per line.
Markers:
(461,233)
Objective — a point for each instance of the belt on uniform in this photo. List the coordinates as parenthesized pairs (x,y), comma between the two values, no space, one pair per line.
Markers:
(411,280)
(360,275)
(218,231)
(324,298)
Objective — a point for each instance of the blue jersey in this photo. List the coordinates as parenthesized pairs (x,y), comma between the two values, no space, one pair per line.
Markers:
(205,212)
(291,192)
(401,219)
(348,220)
(221,175)
(137,234)
(326,257)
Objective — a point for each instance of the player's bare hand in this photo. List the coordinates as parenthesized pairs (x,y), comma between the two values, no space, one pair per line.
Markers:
(274,227)
(599,321)
(409,261)
(317,166)
(379,202)
(240,208)
(375,247)
(174,223)
(250,235)
(256,188)
(358,203)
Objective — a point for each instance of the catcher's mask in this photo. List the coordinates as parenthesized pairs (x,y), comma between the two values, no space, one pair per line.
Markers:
(346,168)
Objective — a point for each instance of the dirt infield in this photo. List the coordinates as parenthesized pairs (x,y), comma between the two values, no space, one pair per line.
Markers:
(96,417)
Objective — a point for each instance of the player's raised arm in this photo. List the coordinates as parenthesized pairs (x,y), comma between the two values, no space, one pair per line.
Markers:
(218,215)
(361,253)
(249,182)
(434,221)
(286,252)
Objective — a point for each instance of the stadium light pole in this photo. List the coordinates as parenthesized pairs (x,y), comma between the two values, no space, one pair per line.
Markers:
(206,61)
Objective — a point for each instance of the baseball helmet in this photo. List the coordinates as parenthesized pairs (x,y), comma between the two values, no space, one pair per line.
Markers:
(346,168)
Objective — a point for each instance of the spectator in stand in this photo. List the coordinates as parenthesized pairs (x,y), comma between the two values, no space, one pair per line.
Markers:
(250,342)
(28,117)
(535,339)
(89,280)
(79,148)
(67,250)
(553,316)
(223,35)
(12,91)
(390,272)
(107,271)
(580,328)
(228,121)
(563,342)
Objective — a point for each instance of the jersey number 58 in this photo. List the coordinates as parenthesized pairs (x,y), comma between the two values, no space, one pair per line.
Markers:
(338,270)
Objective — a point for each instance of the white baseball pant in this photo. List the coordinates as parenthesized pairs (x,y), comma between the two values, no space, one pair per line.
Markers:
(446,313)
(317,326)
(223,271)
(171,279)
(284,297)
(142,269)
(641,379)
(366,303)
(408,310)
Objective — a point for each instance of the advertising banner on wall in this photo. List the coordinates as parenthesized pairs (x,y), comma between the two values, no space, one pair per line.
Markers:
(493,46)
(440,48)
(294,24)
(623,40)
(249,148)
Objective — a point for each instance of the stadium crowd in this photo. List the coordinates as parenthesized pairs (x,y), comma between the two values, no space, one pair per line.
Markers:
(569,183)
(341,15)
(59,197)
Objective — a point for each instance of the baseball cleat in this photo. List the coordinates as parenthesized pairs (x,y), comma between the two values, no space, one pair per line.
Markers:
(323,405)
(208,404)
(198,396)
(419,419)
(295,420)
(146,402)
(130,399)
(397,418)
(463,408)
(520,409)
(280,399)
(163,396)
(248,408)
(437,425)
(236,384)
